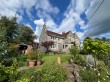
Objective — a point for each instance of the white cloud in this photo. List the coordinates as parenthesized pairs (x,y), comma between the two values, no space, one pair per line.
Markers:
(100,22)
(39,22)
(29,26)
(11,7)
(80,35)
(72,15)
(46,6)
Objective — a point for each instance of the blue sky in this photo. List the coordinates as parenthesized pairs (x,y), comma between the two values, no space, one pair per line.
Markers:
(61,15)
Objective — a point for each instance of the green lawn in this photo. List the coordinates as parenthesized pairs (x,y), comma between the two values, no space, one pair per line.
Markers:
(53,58)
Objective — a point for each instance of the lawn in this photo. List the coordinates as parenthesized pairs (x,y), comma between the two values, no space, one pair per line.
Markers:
(46,59)
(53,58)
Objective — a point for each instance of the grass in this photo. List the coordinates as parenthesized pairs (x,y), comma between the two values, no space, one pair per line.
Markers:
(53,58)
(22,60)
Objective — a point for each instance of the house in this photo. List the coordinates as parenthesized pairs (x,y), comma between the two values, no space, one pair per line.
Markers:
(62,42)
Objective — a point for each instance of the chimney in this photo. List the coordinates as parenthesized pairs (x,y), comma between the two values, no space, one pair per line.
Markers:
(63,32)
(44,26)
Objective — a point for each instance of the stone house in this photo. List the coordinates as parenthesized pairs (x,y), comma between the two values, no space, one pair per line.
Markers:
(62,42)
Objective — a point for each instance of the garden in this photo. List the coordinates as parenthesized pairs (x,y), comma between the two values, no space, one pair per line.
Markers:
(93,60)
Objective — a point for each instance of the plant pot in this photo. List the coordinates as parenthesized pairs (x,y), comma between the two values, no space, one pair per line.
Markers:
(39,62)
(31,63)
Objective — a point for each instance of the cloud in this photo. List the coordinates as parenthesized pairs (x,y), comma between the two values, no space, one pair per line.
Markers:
(100,22)
(39,22)
(11,7)
(29,26)
(46,6)
(71,15)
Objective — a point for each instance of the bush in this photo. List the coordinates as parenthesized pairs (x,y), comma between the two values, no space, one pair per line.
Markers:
(9,73)
(88,76)
(30,75)
(22,60)
(53,73)
(47,73)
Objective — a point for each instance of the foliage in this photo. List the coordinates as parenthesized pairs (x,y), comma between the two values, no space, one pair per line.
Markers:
(25,34)
(10,25)
(12,32)
(47,73)
(53,73)
(9,73)
(23,80)
(88,76)
(39,56)
(22,58)
(47,44)
(95,47)
(74,51)
(29,75)
(32,55)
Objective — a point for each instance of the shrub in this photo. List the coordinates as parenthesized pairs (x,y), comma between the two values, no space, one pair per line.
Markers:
(53,73)
(32,55)
(9,73)
(88,76)
(73,51)
(47,73)
(22,60)
(30,75)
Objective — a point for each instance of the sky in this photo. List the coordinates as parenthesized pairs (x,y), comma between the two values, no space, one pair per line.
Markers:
(61,15)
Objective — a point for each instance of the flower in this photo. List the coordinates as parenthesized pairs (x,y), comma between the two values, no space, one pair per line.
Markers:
(107,76)
(84,67)
(98,81)
(104,79)
(98,74)
(95,69)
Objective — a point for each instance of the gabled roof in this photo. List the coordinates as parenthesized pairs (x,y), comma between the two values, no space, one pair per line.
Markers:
(63,35)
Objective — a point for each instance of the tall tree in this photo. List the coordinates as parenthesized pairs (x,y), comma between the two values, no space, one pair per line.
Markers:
(10,25)
(25,35)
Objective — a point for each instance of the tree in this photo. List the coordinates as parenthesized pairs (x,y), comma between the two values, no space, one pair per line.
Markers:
(25,35)
(95,47)
(10,25)
(47,44)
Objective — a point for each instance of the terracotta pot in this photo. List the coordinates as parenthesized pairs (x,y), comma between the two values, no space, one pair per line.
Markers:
(39,62)
(31,63)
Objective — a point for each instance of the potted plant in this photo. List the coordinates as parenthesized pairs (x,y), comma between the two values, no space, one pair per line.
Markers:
(39,58)
(32,58)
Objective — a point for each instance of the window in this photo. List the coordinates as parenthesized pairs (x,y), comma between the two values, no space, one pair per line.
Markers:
(53,37)
(54,45)
(66,46)
(63,46)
